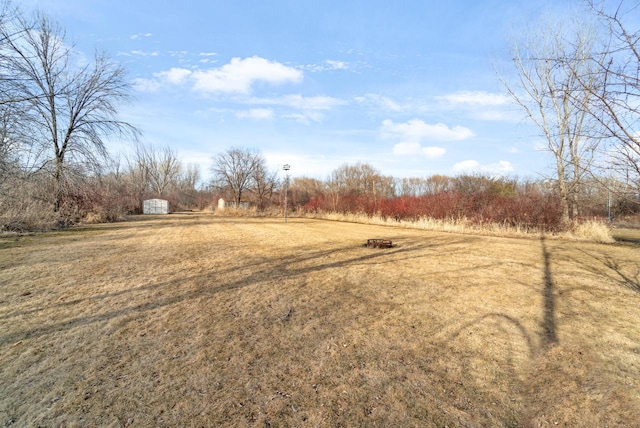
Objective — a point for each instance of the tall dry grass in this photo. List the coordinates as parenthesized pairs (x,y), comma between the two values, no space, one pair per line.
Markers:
(593,231)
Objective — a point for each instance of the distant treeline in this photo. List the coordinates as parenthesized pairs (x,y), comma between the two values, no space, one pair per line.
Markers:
(479,199)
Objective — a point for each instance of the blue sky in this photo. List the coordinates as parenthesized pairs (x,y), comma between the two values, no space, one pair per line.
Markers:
(408,86)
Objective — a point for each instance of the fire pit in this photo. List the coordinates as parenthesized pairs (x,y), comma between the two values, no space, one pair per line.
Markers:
(378,243)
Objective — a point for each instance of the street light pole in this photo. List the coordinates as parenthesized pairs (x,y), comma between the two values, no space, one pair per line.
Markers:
(286,168)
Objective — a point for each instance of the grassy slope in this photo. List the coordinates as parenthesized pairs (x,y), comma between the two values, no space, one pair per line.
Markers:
(192,320)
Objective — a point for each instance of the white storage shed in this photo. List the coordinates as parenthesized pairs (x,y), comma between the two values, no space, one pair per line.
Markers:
(155,206)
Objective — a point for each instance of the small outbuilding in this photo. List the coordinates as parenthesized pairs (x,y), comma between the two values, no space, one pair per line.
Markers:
(155,206)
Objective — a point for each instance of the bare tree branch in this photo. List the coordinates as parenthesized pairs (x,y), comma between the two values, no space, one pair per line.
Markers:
(236,169)
(68,111)
(546,61)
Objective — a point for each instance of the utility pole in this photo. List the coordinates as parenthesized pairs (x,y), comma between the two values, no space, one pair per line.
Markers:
(286,168)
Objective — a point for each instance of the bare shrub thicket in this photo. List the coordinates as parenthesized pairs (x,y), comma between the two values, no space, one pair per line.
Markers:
(26,200)
(25,203)
(473,199)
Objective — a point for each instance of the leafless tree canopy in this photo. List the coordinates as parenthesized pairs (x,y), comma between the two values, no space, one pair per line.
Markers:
(417,186)
(158,172)
(68,110)
(161,167)
(615,104)
(237,169)
(264,185)
(547,59)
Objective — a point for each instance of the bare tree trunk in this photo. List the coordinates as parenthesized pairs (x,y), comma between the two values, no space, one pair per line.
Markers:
(57,183)
(563,192)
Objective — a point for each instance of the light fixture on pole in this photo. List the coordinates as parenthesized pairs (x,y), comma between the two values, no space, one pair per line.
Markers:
(286,168)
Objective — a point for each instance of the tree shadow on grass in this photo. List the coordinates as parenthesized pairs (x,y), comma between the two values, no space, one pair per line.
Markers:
(558,382)
(260,270)
(549,333)
(548,336)
(625,274)
(520,347)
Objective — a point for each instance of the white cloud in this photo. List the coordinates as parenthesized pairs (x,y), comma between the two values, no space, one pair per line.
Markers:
(175,76)
(138,53)
(513,150)
(434,152)
(415,148)
(308,109)
(256,113)
(493,115)
(412,133)
(467,166)
(207,57)
(143,53)
(139,36)
(377,100)
(330,65)
(480,105)
(416,130)
(540,145)
(499,168)
(337,65)
(146,85)
(319,102)
(474,99)
(240,74)
(305,117)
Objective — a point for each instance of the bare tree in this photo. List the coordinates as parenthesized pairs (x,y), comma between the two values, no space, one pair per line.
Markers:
(186,187)
(138,172)
(416,186)
(190,176)
(411,186)
(164,168)
(158,171)
(303,189)
(9,144)
(615,104)
(363,179)
(546,60)
(235,170)
(70,109)
(264,184)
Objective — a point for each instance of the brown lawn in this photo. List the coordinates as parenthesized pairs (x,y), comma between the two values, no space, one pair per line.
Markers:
(197,320)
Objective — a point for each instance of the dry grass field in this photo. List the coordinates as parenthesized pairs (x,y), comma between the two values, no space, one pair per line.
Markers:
(198,320)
